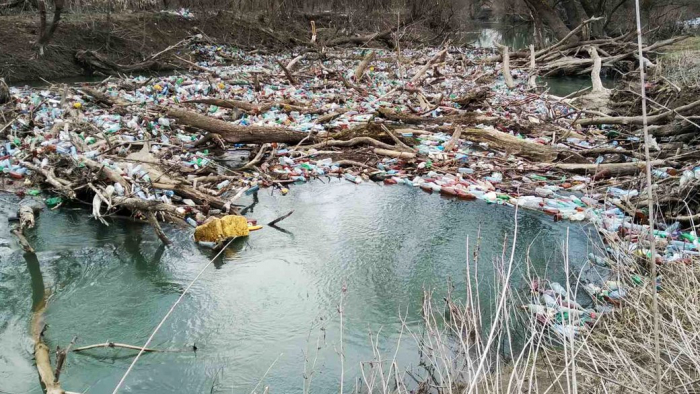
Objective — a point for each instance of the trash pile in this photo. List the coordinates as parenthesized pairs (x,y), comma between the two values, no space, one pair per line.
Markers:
(556,308)
(442,119)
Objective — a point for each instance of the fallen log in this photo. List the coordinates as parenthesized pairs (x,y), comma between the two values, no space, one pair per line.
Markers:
(511,144)
(23,241)
(467,118)
(351,142)
(450,145)
(661,118)
(93,62)
(362,40)
(42,356)
(233,104)
(608,170)
(235,133)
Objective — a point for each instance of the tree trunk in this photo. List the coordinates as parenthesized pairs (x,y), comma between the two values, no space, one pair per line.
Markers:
(550,17)
(575,14)
(46,32)
(235,133)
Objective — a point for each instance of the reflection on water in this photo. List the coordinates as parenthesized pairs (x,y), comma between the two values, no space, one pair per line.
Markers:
(269,297)
(487,34)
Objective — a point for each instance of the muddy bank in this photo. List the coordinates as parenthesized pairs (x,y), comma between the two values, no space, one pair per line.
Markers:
(123,38)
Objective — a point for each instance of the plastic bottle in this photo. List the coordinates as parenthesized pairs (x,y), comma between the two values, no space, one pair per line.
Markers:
(543,192)
(191,221)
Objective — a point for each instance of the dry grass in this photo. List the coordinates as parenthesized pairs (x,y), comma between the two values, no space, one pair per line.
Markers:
(519,354)
(681,63)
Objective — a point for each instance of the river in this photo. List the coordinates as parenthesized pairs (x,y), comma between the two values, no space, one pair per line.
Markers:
(256,314)
(267,299)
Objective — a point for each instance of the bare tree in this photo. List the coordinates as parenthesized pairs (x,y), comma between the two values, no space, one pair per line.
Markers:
(47,32)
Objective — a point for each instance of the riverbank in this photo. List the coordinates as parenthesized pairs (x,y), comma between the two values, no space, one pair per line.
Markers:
(128,38)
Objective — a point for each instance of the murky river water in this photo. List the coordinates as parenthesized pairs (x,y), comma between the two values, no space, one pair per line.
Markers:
(259,304)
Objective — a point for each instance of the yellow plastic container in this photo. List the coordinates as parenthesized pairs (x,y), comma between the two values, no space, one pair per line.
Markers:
(227,227)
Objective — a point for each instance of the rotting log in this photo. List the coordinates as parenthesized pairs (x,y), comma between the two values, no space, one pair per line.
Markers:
(235,133)
(26,220)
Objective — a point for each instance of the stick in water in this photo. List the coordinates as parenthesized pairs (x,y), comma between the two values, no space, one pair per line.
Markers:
(281,218)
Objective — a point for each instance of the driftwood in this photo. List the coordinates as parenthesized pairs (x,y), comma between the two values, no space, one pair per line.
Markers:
(511,144)
(281,218)
(109,173)
(532,80)
(450,145)
(42,356)
(258,157)
(360,70)
(362,40)
(234,104)
(113,345)
(467,118)
(661,118)
(287,73)
(292,63)
(61,186)
(438,56)
(505,66)
(137,204)
(235,133)
(396,139)
(195,195)
(608,170)
(153,221)
(352,142)
(395,153)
